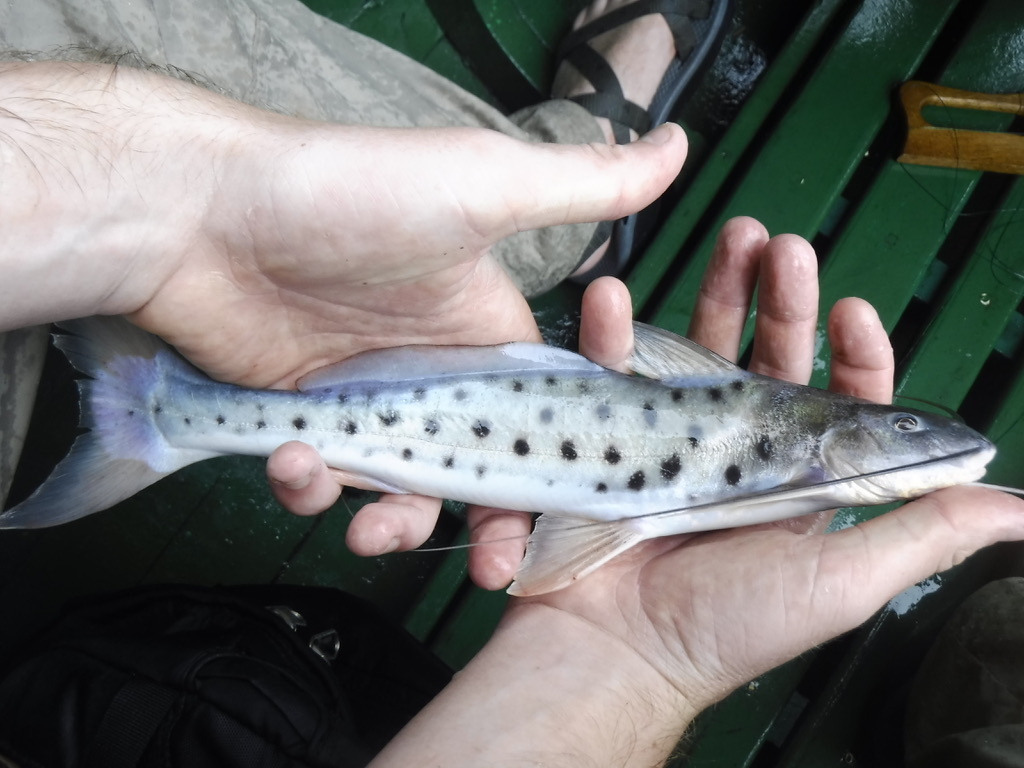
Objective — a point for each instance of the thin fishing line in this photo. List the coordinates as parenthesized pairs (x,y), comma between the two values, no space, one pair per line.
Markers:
(1001,488)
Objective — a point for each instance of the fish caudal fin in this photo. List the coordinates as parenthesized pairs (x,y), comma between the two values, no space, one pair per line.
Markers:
(562,550)
(124,451)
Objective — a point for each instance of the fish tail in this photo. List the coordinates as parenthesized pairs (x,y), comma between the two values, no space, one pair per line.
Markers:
(123,451)
(562,550)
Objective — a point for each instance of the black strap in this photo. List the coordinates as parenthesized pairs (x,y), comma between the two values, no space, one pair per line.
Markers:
(609,100)
(129,724)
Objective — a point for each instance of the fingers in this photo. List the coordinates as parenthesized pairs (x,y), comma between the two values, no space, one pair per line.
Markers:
(728,285)
(862,357)
(499,537)
(300,481)
(861,568)
(393,523)
(785,270)
(787,310)
(606,323)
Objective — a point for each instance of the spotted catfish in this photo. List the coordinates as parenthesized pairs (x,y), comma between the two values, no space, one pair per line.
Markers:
(691,443)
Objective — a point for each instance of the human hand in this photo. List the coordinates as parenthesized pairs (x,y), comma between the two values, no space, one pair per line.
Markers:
(281,245)
(709,612)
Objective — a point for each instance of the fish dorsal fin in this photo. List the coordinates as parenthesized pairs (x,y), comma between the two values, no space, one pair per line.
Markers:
(424,362)
(659,354)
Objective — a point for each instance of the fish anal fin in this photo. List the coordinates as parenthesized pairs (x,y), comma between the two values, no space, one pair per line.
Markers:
(562,550)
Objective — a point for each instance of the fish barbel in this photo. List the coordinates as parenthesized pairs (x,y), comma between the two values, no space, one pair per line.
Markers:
(692,443)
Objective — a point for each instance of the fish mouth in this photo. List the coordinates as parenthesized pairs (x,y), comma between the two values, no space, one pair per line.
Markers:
(909,481)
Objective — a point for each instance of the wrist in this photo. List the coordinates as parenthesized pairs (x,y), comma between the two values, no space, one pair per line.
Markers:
(549,689)
(104,185)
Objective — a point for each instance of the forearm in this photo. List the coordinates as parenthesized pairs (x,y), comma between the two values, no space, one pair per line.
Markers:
(100,185)
(548,690)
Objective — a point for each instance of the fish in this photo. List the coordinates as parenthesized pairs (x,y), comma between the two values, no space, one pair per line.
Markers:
(686,442)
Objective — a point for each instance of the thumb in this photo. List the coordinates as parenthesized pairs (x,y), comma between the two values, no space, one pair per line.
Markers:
(593,182)
(507,185)
(863,567)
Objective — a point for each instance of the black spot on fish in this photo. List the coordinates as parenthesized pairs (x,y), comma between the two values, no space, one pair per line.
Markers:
(299,423)
(764,447)
(449,462)
(460,395)
(716,394)
(221,420)
(612,456)
(132,413)
(738,386)
(733,475)
(637,481)
(158,409)
(431,427)
(351,428)
(670,467)
(677,395)
(517,385)
(604,411)
(261,424)
(551,381)
(481,430)
(481,470)
(583,385)
(407,454)
(342,398)
(569,451)
(601,488)
(389,418)
(521,447)
(694,443)
(547,415)
(188,422)
(550,483)
(419,393)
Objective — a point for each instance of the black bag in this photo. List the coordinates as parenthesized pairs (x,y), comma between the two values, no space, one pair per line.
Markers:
(189,677)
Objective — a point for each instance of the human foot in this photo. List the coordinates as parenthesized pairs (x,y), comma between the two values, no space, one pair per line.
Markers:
(638,52)
(629,62)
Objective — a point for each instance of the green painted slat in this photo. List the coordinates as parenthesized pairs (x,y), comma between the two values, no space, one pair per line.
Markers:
(793,183)
(468,625)
(955,346)
(650,270)
(436,597)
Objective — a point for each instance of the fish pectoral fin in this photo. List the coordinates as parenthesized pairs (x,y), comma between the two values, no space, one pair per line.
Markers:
(660,354)
(562,550)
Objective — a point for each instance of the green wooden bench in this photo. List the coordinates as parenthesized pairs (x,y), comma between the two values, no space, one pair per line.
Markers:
(808,146)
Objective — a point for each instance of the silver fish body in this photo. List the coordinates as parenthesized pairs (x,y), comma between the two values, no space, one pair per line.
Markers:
(610,459)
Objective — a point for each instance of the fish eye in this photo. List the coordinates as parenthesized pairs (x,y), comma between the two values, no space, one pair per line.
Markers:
(905,423)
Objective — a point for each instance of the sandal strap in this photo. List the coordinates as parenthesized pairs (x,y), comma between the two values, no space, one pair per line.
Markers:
(679,15)
(609,100)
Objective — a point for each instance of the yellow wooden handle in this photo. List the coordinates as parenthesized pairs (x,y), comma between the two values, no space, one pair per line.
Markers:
(927,144)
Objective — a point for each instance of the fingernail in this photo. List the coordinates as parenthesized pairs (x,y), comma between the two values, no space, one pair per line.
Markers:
(392,546)
(660,135)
